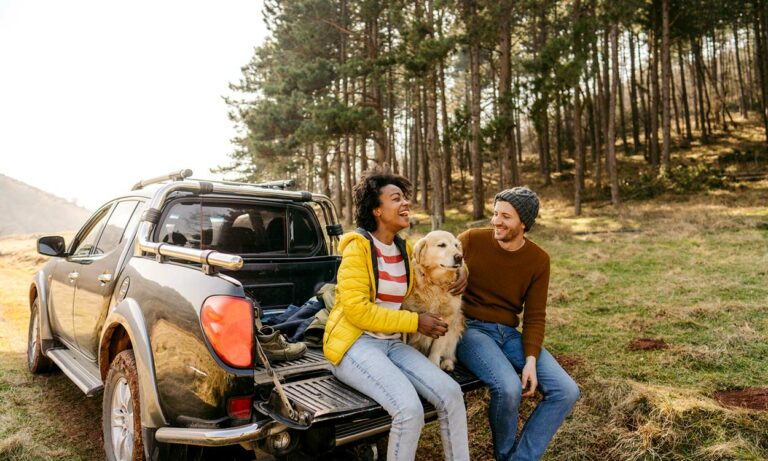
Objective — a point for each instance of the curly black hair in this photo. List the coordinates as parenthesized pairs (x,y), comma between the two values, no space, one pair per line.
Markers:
(368,189)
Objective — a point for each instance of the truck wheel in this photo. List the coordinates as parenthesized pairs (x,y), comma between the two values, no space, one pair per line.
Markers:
(121,411)
(36,360)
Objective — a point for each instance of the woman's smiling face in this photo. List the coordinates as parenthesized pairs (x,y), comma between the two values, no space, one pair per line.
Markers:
(394,209)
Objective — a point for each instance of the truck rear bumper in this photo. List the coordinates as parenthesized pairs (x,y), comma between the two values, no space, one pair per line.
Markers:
(210,437)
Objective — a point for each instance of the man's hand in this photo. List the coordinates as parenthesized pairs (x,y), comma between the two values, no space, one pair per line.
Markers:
(529,376)
(460,284)
(432,325)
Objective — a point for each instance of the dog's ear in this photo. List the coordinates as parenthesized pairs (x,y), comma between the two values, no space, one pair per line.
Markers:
(418,250)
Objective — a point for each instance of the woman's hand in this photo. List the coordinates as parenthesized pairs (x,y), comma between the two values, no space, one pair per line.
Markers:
(529,376)
(432,325)
(460,284)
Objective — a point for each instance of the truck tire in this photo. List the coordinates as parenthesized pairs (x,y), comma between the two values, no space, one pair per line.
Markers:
(121,411)
(36,360)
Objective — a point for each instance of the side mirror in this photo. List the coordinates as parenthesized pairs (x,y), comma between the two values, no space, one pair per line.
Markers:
(52,245)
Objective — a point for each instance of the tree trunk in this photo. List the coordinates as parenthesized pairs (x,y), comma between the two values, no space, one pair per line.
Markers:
(654,112)
(325,179)
(447,146)
(348,210)
(666,74)
(645,104)
(380,139)
(510,171)
(309,166)
(611,134)
(633,94)
(760,50)
(433,150)
(675,107)
(416,140)
(700,90)
(622,122)
(424,154)
(606,93)
(478,199)
(578,183)
(597,125)
(684,96)
(518,135)
(558,133)
(749,69)
(337,190)
(594,135)
(742,93)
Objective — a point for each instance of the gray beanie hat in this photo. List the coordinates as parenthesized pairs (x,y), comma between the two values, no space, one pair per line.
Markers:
(525,202)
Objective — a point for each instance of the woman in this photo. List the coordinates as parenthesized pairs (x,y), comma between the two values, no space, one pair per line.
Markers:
(363,334)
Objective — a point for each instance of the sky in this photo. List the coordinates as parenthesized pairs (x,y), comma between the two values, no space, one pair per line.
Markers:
(96,95)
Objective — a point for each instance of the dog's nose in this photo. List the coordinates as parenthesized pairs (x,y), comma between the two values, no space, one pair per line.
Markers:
(458,259)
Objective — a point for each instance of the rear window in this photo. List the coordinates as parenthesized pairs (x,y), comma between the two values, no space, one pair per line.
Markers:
(240,228)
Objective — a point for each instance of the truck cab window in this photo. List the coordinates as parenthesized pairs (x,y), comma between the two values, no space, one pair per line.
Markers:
(242,228)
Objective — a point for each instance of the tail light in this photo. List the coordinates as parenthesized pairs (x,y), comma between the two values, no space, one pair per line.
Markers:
(240,407)
(228,325)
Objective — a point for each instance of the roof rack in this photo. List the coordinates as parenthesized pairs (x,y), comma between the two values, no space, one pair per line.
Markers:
(280,184)
(175,176)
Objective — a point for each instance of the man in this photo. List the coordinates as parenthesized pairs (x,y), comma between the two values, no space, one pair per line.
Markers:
(509,276)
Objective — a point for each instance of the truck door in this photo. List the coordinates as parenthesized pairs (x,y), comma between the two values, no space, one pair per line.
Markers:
(97,279)
(64,278)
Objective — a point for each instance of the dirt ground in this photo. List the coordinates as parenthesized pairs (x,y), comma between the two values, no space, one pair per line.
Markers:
(753,398)
(647,344)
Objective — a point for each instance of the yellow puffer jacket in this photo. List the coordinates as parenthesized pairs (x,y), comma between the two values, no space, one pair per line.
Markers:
(355,310)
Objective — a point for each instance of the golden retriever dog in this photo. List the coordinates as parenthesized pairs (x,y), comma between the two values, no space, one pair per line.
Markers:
(436,258)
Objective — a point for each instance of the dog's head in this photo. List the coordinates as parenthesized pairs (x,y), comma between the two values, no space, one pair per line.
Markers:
(438,252)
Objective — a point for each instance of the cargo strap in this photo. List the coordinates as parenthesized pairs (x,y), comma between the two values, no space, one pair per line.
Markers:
(288,408)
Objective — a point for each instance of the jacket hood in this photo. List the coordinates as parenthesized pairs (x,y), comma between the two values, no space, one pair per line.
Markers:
(350,237)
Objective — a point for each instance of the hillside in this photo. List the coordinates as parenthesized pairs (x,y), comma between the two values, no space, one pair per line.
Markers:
(27,210)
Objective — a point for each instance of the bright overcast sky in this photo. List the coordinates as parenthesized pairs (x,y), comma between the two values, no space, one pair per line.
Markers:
(96,95)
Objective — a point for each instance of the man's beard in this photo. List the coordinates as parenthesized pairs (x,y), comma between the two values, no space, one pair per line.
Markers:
(509,235)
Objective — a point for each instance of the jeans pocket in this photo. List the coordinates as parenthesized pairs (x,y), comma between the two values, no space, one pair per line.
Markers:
(471,322)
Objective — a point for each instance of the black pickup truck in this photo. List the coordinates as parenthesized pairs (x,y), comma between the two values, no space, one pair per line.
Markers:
(155,304)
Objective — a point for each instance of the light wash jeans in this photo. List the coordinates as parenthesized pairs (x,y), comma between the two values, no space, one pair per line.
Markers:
(494,353)
(394,375)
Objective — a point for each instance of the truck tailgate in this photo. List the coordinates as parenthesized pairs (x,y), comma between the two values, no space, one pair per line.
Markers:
(327,399)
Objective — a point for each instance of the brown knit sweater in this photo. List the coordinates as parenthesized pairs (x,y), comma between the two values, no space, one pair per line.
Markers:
(503,284)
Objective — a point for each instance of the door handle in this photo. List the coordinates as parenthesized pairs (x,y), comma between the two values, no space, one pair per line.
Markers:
(73,276)
(105,278)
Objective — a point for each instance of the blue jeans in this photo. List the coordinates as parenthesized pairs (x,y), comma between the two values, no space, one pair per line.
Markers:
(394,375)
(494,353)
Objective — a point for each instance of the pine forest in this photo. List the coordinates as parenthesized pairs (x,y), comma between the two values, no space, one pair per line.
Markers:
(466,97)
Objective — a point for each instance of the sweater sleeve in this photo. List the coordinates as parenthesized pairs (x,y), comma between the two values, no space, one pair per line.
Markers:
(535,311)
(353,293)
(464,239)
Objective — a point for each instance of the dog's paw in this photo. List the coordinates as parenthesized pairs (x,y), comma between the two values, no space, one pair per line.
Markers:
(447,365)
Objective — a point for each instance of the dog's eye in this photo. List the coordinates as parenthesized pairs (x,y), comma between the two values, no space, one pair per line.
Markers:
(442,245)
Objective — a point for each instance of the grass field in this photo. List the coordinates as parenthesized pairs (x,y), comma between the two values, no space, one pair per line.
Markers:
(688,270)
(691,272)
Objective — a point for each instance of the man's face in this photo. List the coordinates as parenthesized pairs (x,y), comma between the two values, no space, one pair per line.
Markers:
(506,222)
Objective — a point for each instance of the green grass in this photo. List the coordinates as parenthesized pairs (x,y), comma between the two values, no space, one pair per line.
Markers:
(695,275)
(41,417)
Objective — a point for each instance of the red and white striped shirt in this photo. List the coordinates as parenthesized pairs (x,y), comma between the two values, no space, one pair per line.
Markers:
(393,281)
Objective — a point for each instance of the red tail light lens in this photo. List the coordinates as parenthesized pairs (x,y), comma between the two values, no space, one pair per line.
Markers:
(228,325)
(240,407)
